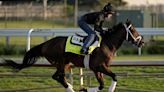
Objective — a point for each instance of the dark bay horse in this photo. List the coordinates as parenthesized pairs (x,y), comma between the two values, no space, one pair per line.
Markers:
(54,51)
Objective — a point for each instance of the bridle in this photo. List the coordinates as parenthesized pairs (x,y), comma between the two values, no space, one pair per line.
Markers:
(137,39)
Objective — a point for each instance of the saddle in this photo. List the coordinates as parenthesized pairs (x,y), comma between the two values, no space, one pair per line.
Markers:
(74,44)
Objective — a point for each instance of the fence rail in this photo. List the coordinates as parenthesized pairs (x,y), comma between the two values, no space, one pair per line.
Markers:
(115,63)
(77,74)
(88,73)
(70,31)
(67,31)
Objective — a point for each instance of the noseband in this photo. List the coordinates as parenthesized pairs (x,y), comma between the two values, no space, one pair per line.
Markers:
(137,39)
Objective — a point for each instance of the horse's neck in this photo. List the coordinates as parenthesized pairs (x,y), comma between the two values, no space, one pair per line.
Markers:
(115,40)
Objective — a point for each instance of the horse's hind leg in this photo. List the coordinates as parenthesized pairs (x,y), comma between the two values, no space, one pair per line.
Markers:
(60,77)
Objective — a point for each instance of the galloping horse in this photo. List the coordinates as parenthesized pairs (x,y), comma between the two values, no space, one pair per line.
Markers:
(54,51)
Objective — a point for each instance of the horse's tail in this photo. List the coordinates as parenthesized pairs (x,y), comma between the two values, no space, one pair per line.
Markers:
(30,58)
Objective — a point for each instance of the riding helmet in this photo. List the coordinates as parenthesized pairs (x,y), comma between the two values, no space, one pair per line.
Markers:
(108,8)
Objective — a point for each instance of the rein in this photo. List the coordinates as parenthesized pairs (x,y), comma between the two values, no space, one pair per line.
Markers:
(137,39)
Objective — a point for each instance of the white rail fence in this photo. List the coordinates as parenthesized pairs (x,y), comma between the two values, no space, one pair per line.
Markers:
(66,32)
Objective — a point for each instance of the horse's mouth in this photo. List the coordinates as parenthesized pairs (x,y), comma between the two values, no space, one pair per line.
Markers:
(139,44)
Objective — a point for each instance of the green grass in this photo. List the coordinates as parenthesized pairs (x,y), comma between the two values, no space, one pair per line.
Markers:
(21,41)
(35,24)
(123,57)
(161,23)
(136,82)
(160,38)
(142,57)
(125,84)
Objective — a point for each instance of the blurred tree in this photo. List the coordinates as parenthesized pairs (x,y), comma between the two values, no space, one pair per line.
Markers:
(91,3)
(115,3)
(12,2)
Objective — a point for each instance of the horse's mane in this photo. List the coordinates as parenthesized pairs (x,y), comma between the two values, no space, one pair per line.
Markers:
(114,29)
(117,27)
(112,36)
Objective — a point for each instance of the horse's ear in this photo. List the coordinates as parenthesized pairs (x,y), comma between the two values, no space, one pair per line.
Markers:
(128,21)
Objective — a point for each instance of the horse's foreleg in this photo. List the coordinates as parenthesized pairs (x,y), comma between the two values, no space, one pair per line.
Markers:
(112,86)
(104,69)
(99,77)
(60,77)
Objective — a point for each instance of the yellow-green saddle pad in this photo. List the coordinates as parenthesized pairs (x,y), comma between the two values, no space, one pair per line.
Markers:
(76,47)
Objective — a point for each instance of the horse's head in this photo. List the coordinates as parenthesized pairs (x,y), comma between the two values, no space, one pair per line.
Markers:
(132,35)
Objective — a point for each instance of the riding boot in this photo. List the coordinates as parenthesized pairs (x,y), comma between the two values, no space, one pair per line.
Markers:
(89,40)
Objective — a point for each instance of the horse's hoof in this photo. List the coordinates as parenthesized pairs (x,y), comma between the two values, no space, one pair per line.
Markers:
(83,90)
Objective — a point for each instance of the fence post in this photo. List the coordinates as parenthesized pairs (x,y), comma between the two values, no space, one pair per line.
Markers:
(29,39)
(71,76)
(7,40)
(139,51)
(81,77)
(45,8)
